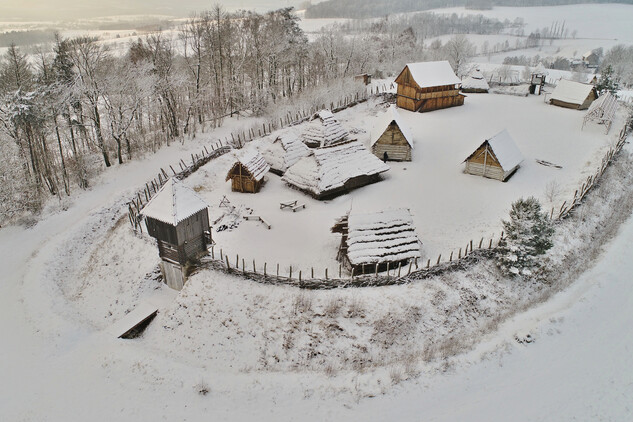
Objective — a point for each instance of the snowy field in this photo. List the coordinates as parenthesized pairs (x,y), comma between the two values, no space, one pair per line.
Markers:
(449,208)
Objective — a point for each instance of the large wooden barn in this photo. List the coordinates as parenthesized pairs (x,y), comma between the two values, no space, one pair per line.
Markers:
(574,95)
(428,86)
(497,158)
(390,138)
(179,221)
(247,174)
(377,241)
(283,151)
(334,170)
(323,130)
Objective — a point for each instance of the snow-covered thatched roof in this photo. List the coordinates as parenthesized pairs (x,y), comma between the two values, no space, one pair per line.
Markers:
(571,92)
(252,162)
(173,203)
(475,80)
(327,169)
(428,74)
(385,236)
(323,130)
(384,120)
(284,150)
(506,151)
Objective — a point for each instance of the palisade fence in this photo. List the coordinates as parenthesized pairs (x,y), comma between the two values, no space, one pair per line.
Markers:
(462,258)
(322,278)
(237,140)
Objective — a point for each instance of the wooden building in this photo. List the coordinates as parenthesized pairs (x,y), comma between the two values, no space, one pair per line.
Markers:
(537,79)
(377,241)
(247,174)
(323,130)
(283,151)
(365,78)
(475,83)
(428,86)
(179,221)
(390,138)
(334,170)
(574,95)
(497,158)
(591,59)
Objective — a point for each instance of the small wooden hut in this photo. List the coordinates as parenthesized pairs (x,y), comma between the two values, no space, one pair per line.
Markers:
(179,221)
(365,78)
(377,241)
(334,170)
(591,58)
(247,174)
(283,151)
(576,95)
(428,86)
(475,83)
(497,158)
(391,138)
(323,130)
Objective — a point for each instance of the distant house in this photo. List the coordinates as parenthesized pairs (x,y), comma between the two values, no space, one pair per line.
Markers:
(179,221)
(323,130)
(428,86)
(377,241)
(497,158)
(390,137)
(330,171)
(537,80)
(283,151)
(475,82)
(365,78)
(247,174)
(574,95)
(591,59)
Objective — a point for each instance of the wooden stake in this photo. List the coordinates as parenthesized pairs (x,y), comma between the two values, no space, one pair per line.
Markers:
(459,255)
(326,273)
(428,263)
(227,262)
(438,259)
(264,269)
(450,259)
(387,269)
(480,242)
(311,272)
(399,265)
(254,270)
(243,265)
(237,261)
(290,273)
(277,270)
(410,265)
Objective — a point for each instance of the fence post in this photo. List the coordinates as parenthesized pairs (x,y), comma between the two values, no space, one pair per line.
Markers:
(290,273)
(450,259)
(480,242)
(311,272)
(254,270)
(459,254)
(387,269)
(212,255)
(277,271)
(438,259)
(264,270)
(428,263)
(326,273)
(410,265)
(243,266)
(237,261)
(221,259)
(227,262)
(399,265)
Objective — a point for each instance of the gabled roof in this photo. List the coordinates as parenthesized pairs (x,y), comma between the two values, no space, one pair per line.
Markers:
(326,169)
(571,92)
(505,150)
(324,130)
(475,80)
(384,120)
(253,162)
(428,74)
(540,70)
(385,236)
(284,150)
(173,203)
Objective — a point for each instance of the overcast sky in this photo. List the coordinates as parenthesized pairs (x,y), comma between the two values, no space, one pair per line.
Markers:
(73,9)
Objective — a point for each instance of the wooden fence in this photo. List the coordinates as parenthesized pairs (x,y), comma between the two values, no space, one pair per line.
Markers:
(415,270)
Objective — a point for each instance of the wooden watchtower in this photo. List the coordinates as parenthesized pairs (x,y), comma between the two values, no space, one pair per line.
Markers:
(179,221)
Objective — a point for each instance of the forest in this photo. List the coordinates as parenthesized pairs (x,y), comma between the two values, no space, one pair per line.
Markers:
(376,8)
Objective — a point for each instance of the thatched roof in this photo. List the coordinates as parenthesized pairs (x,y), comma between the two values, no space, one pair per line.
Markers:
(253,163)
(323,130)
(328,169)
(284,150)
(379,237)
(173,203)
(475,81)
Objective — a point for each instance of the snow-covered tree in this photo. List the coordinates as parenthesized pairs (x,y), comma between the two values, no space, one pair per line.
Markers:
(607,82)
(528,234)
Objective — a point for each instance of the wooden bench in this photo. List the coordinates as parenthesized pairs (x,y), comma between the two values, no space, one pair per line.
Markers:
(287,204)
(297,207)
(258,218)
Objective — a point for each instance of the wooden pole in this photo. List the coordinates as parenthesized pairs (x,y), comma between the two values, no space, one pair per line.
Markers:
(428,263)
(450,259)
(410,265)
(387,269)
(326,273)
(311,272)
(480,242)
(243,265)
(227,262)
(438,259)
(264,269)
(278,271)
(237,261)
(399,265)
(290,273)
(254,270)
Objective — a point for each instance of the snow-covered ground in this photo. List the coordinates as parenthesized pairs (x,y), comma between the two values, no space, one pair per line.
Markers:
(449,208)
